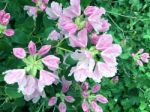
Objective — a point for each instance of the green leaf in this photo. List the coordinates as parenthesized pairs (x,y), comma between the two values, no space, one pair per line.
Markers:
(12,91)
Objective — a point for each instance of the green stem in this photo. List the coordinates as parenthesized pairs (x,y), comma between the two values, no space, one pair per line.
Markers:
(65,49)
(126,16)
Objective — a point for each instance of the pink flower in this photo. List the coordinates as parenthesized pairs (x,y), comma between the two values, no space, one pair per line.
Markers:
(31,11)
(66,25)
(140,57)
(32,48)
(4,20)
(93,9)
(144,57)
(101,98)
(54,35)
(44,50)
(27,84)
(19,53)
(31,87)
(99,25)
(84,67)
(2,13)
(74,10)
(62,107)
(65,84)
(51,62)
(55,11)
(9,32)
(79,41)
(52,101)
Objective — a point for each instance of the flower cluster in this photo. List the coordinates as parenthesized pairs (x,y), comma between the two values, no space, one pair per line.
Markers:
(91,98)
(4,20)
(140,57)
(71,20)
(94,52)
(27,80)
(65,87)
(77,27)
(33,10)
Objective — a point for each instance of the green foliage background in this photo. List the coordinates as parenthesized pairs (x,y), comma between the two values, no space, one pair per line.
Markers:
(130,27)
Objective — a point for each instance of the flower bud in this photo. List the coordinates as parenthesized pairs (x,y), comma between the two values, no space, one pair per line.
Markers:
(32,48)
(52,101)
(96,88)
(19,53)
(44,50)
(69,99)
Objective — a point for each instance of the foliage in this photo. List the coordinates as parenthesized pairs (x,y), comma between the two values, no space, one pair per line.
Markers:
(130,28)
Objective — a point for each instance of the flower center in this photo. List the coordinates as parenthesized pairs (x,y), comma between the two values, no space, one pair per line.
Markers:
(2,28)
(80,22)
(33,64)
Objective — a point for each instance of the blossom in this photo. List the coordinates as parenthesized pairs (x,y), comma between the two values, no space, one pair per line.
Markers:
(74,10)
(91,104)
(99,24)
(54,35)
(67,26)
(31,86)
(84,67)
(4,20)
(140,57)
(90,10)
(33,10)
(55,11)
